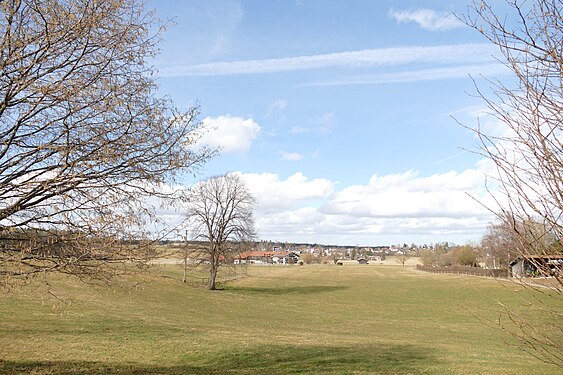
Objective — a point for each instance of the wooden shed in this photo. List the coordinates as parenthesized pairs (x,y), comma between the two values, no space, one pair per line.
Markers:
(537,265)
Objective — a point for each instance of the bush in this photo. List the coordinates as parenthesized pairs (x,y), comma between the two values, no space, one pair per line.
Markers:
(307,258)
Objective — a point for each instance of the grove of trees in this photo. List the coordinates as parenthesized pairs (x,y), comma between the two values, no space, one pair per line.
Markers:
(443,255)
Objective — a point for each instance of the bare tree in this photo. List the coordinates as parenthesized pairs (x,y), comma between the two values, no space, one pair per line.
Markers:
(428,257)
(498,245)
(464,255)
(528,152)
(220,215)
(84,139)
(402,259)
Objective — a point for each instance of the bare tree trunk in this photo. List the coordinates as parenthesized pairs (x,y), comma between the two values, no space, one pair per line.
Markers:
(212,277)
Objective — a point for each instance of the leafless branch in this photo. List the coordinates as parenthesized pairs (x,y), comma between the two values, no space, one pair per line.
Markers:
(527,152)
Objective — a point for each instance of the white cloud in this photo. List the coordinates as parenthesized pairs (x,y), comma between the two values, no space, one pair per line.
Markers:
(229,133)
(428,19)
(409,196)
(444,54)
(273,193)
(291,156)
(481,117)
(391,208)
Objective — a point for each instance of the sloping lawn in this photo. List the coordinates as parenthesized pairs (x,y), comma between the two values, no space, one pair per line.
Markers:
(324,319)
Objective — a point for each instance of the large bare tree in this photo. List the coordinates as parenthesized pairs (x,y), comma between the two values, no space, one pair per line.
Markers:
(498,245)
(527,152)
(84,139)
(220,216)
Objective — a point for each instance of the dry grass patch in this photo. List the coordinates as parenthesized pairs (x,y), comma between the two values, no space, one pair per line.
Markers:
(288,319)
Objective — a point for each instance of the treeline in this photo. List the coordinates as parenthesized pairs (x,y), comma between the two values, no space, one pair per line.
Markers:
(445,255)
(29,251)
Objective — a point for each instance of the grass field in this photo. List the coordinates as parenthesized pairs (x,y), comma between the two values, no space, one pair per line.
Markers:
(320,319)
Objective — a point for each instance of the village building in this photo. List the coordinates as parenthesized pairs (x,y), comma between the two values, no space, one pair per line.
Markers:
(267,257)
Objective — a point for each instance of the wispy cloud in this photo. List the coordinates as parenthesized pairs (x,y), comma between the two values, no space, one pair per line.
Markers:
(225,18)
(291,156)
(320,124)
(427,19)
(443,54)
(455,72)
(325,123)
(278,105)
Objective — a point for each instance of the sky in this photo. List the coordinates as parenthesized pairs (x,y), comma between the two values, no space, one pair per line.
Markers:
(344,117)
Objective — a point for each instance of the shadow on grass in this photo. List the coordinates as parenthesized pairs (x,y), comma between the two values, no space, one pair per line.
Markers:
(397,359)
(311,289)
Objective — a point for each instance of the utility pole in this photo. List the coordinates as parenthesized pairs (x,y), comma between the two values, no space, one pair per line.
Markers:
(185,257)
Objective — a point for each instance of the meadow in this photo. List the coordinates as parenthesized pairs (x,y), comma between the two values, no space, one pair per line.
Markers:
(312,319)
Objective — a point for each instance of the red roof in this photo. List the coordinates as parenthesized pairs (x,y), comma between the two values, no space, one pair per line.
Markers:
(263,254)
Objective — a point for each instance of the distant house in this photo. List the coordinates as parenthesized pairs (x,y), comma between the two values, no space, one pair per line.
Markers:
(537,265)
(363,261)
(287,257)
(267,257)
(255,257)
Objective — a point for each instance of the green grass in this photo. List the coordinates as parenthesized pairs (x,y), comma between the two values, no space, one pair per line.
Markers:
(278,320)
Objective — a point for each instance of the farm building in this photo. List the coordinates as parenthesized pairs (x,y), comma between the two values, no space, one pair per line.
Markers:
(537,265)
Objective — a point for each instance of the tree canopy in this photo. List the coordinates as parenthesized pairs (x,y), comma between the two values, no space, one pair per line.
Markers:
(220,214)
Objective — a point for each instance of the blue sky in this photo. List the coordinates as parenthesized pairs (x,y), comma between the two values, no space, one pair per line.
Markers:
(340,115)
